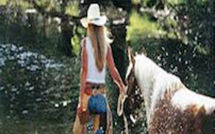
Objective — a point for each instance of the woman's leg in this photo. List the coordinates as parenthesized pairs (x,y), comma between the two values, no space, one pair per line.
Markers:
(109,120)
(78,128)
(109,129)
(96,123)
(82,118)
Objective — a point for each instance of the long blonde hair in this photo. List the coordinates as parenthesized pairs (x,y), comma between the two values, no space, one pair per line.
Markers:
(99,39)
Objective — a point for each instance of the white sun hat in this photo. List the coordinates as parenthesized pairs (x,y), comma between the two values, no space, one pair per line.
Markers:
(93,17)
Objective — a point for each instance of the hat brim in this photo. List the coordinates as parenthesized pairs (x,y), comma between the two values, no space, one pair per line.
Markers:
(99,22)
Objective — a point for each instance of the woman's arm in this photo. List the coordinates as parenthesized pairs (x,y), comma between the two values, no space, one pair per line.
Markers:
(83,70)
(114,72)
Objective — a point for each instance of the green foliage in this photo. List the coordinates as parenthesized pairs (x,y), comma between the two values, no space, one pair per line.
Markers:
(176,2)
(73,8)
(76,44)
(141,28)
(145,3)
(3,2)
(47,90)
(52,5)
(76,39)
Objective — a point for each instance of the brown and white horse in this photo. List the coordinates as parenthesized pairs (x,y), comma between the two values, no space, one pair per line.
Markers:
(171,108)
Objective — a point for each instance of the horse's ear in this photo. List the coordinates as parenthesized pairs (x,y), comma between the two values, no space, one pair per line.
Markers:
(131,55)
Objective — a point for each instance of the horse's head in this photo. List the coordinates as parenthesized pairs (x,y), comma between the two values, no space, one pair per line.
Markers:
(129,83)
(134,99)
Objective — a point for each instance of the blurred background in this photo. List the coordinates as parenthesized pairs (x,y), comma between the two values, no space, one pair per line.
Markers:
(40,56)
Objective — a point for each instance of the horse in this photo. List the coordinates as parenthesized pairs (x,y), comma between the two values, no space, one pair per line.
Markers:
(171,108)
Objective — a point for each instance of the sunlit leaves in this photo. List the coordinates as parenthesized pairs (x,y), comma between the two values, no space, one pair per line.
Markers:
(142,27)
(202,49)
(73,8)
(136,1)
(3,2)
(76,44)
(16,4)
(176,2)
(145,3)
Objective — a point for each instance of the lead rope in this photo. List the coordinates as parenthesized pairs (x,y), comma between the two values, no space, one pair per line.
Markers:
(120,111)
(125,123)
(120,104)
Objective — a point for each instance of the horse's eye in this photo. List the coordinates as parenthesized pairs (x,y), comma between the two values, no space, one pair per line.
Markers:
(126,81)
(131,78)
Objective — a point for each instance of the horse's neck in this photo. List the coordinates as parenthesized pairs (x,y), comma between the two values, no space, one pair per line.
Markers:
(153,82)
(146,93)
(145,70)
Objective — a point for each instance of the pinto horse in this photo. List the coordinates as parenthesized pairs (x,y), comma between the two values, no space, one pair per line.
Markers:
(171,108)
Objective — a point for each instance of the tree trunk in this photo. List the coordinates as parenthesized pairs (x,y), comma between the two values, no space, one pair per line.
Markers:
(119,48)
(67,33)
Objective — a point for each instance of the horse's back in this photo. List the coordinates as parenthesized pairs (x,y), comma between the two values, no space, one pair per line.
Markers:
(194,119)
(184,98)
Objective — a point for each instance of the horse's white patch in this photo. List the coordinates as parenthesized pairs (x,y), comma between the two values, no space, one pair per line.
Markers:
(144,72)
(163,82)
(154,82)
(184,98)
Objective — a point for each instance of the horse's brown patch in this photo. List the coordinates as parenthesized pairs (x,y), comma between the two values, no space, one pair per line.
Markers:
(169,119)
(134,99)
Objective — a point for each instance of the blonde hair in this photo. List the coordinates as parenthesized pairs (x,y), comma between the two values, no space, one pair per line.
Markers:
(99,39)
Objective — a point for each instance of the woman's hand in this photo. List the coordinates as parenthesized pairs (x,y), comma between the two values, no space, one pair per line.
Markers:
(84,102)
(122,89)
(121,100)
(81,104)
(79,111)
(114,72)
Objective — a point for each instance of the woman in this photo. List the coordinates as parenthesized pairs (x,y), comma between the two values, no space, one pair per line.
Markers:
(96,54)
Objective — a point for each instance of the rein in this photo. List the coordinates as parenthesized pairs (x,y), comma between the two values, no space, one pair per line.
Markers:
(130,93)
(120,110)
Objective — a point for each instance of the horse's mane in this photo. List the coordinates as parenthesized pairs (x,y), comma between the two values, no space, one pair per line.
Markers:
(160,80)
(167,80)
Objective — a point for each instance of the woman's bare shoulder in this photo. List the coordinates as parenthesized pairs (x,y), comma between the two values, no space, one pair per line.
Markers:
(83,42)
